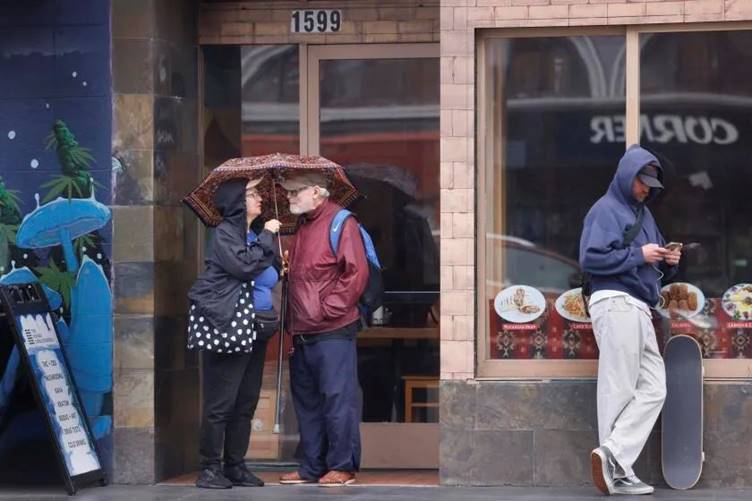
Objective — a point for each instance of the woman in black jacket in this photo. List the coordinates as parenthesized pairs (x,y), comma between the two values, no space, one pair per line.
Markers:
(241,269)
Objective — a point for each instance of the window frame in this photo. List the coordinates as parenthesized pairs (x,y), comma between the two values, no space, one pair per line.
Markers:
(494,369)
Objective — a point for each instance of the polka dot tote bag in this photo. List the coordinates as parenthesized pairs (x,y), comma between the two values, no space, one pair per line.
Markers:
(239,336)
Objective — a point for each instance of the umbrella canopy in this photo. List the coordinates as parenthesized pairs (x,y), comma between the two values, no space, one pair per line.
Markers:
(60,222)
(271,169)
(78,216)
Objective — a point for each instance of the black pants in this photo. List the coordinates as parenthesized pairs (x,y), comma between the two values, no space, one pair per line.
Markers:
(231,387)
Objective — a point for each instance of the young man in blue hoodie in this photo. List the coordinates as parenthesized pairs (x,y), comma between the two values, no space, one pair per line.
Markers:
(626,279)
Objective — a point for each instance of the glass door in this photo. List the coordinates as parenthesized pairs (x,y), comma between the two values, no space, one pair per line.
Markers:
(375,110)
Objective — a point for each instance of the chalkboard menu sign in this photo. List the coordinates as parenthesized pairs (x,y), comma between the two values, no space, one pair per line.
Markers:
(27,315)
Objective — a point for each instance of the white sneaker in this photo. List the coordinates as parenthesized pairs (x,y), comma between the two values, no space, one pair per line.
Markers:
(603,469)
(631,486)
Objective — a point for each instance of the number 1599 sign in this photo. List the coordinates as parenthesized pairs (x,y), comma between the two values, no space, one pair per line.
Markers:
(316,21)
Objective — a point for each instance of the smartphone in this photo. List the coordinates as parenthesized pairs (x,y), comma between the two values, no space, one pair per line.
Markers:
(672,246)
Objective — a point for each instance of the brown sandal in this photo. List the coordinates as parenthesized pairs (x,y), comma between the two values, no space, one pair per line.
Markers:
(337,479)
(294,478)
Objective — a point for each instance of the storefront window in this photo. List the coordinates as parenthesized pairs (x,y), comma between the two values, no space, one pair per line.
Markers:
(379,119)
(554,112)
(221,113)
(695,101)
(270,86)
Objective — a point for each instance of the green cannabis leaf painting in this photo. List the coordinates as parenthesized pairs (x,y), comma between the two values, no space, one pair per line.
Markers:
(75,160)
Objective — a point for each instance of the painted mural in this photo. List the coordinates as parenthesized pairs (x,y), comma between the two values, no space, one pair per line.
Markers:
(55,182)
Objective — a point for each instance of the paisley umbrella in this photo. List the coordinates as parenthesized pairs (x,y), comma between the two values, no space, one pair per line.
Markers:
(271,168)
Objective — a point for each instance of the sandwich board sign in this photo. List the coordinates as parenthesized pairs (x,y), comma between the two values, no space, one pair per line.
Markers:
(27,317)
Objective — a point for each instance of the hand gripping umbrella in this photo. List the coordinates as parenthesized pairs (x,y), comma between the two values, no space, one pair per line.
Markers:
(271,169)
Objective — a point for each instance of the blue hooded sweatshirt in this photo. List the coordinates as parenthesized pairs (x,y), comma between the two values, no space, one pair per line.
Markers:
(602,253)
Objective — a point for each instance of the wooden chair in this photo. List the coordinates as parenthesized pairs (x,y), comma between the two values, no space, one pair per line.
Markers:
(419,382)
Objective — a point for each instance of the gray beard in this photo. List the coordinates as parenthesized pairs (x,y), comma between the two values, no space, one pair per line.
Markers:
(299,209)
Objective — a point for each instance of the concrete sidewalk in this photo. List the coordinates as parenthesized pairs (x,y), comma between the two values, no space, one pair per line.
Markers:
(359,493)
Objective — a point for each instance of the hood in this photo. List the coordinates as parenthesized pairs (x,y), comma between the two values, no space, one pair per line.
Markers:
(634,159)
(230,200)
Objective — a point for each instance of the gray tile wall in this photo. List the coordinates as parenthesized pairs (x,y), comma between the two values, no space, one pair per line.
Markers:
(541,433)
(155,240)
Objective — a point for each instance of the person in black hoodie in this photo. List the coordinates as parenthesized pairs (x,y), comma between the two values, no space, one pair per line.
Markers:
(241,269)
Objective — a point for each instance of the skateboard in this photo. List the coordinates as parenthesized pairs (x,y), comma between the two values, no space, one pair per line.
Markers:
(681,425)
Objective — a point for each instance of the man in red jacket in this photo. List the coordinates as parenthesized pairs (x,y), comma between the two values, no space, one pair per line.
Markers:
(324,289)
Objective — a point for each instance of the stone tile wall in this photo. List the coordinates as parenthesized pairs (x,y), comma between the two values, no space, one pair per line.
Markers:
(155,139)
(541,434)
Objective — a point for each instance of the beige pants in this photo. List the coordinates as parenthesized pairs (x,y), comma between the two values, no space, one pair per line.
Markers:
(631,377)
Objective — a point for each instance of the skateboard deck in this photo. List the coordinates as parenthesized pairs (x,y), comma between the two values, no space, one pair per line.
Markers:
(681,422)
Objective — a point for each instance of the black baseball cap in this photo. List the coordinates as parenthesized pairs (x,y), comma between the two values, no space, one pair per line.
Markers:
(649,176)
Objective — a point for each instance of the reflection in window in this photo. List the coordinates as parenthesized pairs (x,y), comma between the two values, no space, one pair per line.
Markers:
(270,84)
(221,104)
(380,119)
(696,97)
(379,82)
(557,125)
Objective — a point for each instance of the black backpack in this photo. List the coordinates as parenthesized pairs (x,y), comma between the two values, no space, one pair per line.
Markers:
(630,233)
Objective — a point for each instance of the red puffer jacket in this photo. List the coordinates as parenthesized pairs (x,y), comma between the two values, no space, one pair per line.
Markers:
(324,289)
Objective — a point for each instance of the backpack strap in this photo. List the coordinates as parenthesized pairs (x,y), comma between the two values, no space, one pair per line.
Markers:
(631,233)
(335,230)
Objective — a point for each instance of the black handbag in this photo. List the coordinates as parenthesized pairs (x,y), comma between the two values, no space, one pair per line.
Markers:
(266,324)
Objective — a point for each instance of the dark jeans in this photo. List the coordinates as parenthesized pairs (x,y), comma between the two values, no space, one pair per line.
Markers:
(324,384)
(231,387)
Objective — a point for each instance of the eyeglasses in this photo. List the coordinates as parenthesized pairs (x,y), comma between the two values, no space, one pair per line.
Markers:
(295,193)
(253,194)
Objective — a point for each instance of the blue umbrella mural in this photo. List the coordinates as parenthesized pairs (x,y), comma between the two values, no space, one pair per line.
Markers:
(88,347)
(60,222)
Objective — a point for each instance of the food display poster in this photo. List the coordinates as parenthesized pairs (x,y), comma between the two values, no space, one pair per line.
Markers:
(721,325)
(39,347)
(718,333)
(526,323)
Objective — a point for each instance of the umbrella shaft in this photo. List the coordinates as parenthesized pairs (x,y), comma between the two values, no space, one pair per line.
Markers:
(282,314)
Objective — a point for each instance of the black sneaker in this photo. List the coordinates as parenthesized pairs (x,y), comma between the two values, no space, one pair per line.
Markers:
(240,475)
(212,478)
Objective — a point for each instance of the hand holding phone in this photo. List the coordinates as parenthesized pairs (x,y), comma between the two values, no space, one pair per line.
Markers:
(674,255)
